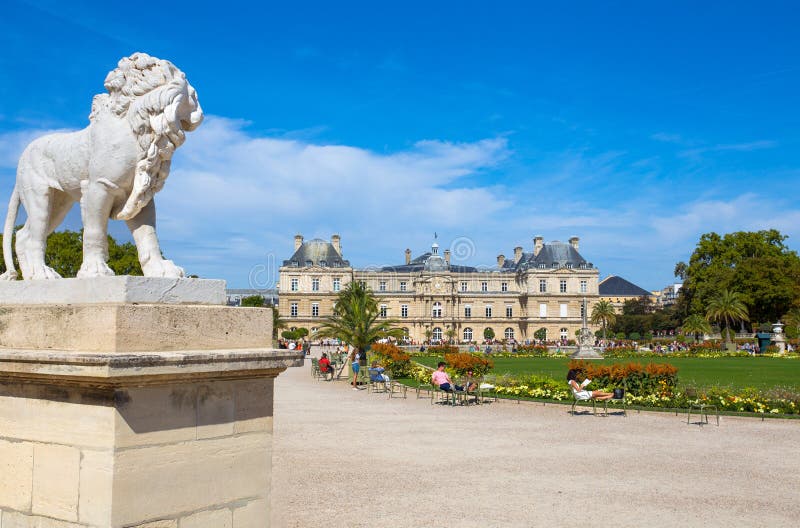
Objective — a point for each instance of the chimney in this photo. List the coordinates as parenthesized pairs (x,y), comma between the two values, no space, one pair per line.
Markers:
(501,259)
(538,243)
(298,241)
(408,256)
(517,254)
(336,242)
(447,256)
(574,242)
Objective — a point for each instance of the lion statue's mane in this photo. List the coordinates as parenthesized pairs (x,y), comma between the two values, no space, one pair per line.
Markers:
(146,91)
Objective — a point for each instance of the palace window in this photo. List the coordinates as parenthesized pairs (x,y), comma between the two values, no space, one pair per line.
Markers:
(437,310)
(543,310)
(315,284)
(562,310)
(562,286)
(467,311)
(403,286)
(382,286)
(504,286)
(583,286)
(488,311)
(437,334)
(463,286)
(337,284)
(293,309)
(509,311)
(384,310)
(468,334)
(509,333)
(564,333)
(404,310)
(542,285)
(484,286)
(295,283)
(314,309)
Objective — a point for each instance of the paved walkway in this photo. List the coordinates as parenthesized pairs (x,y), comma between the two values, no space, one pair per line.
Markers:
(345,458)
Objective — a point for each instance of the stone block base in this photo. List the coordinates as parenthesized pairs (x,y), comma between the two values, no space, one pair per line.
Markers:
(158,440)
(133,327)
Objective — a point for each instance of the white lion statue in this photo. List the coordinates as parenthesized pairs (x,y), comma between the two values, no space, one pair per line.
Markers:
(113,168)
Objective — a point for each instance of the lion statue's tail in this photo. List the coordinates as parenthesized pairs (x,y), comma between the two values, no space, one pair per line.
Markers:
(8,233)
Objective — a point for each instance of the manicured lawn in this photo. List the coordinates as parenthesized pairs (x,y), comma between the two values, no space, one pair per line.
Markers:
(738,372)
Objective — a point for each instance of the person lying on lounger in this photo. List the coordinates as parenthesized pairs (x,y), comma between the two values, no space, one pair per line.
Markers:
(580,392)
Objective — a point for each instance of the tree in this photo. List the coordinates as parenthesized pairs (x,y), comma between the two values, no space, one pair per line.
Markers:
(254,301)
(450,333)
(727,307)
(603,313)
(758,265)
(488,333)
(695,325)
(639,306)
(680,270)
(540,334)
(64,253)
(356,319)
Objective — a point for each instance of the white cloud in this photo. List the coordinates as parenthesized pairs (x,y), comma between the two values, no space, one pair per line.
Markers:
(226,183)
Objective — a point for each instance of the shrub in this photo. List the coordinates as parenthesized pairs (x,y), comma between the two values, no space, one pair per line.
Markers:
(441,350)
(396,362)
(653,378)
(533,350)
(461,362)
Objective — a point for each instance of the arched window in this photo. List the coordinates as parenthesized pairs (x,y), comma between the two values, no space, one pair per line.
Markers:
(437,334)
(437,309)
(564,333)
(509,333)
(468,334)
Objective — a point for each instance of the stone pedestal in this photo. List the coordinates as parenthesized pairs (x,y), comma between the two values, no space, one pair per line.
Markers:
(115,414)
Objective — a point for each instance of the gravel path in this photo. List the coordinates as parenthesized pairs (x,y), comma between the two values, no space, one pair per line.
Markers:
(345,458)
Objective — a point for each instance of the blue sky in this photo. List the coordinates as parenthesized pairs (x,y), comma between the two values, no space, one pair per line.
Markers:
(636,126)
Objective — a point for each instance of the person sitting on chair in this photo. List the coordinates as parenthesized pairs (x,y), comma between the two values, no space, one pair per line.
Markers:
(580,392)
(469,382)
(325,366)
(442,380)
(376,374)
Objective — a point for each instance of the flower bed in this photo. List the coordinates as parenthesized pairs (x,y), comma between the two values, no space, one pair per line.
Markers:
(396,362)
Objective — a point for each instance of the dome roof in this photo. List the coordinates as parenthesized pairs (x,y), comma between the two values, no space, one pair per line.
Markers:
(317,252)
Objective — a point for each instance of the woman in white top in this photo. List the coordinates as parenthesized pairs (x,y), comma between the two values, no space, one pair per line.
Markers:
(583,394)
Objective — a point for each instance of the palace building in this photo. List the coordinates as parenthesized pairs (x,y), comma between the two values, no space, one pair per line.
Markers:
(538,291)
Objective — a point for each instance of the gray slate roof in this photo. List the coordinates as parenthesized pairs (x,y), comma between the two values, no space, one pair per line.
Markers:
(614,286)
(317,252)
(553,255)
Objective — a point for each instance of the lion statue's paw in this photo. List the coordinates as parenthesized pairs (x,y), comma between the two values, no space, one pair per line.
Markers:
(94,268)
(163,268)
(42,272)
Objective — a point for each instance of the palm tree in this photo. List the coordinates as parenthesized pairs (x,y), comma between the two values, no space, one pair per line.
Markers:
(356,319)
(603,312)
(695,324)
(727,307)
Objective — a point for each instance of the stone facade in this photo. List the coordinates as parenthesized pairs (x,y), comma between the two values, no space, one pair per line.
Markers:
(430,296)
